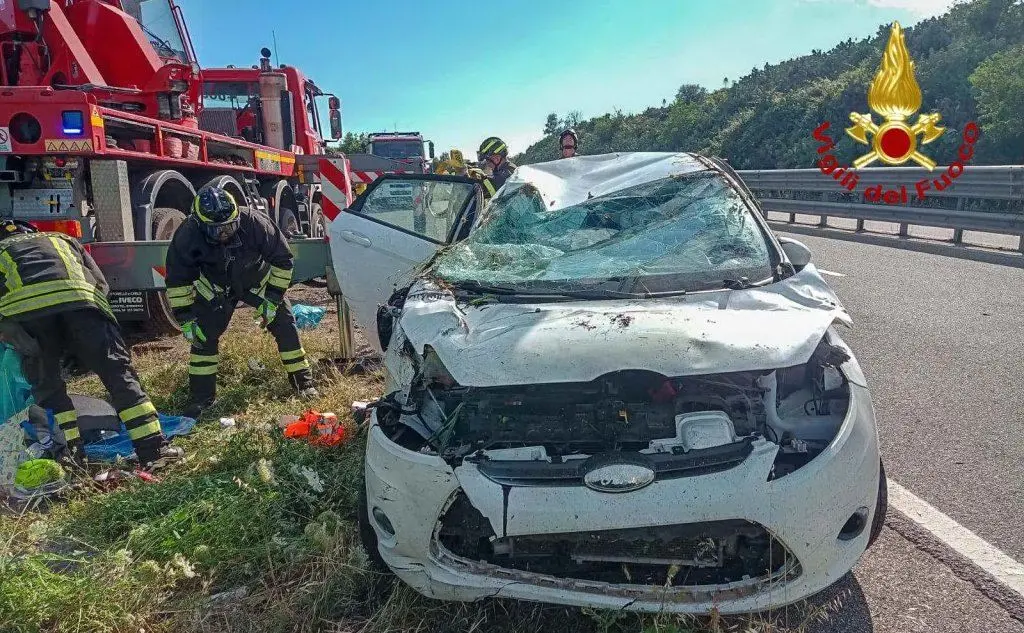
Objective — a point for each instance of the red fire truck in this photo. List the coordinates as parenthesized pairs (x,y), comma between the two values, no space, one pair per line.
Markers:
(108,126)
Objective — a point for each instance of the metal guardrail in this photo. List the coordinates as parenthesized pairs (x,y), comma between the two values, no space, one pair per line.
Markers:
(984,198)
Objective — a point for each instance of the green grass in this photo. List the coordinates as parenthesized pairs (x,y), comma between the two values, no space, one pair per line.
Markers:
(238,539)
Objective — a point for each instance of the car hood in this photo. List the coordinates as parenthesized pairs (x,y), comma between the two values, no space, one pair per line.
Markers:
(494,344)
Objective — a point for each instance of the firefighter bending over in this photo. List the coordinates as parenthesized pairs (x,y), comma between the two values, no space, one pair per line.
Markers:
(222,255)
(55,292)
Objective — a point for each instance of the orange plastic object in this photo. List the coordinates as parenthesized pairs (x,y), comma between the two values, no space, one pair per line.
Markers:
(320,429)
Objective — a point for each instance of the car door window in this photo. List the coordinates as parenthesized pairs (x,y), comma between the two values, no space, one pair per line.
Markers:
(427,208)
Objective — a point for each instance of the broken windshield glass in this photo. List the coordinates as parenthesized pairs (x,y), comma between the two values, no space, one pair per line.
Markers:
(683,232)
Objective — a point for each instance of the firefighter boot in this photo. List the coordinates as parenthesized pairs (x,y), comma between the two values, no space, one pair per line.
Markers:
(195,408)
(302,382)
(156,453)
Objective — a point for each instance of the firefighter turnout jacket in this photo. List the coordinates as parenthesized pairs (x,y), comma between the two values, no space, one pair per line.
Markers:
(53,289)
(206,280)
(48,273)
(256,260)
(501,173)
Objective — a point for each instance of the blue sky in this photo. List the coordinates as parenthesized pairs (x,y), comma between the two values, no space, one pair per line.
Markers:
(459,72)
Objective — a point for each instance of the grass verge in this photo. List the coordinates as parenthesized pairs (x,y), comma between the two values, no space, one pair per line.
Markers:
(254,533)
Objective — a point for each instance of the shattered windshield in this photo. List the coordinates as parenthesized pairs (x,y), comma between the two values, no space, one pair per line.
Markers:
(678,233)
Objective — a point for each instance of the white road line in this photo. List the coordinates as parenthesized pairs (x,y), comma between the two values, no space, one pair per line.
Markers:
(958,538)
(830,273)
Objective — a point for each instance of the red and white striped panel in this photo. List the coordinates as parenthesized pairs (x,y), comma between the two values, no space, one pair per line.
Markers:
(366,177)
(337,186)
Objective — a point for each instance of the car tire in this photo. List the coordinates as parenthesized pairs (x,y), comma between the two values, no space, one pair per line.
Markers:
(367,535)
(881,507)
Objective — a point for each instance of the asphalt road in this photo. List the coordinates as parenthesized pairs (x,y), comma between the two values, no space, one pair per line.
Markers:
(941,341)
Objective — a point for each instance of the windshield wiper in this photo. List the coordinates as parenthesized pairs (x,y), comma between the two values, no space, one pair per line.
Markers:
(519,295)
(736,284)
(160,41)
(743,283)
(475,287)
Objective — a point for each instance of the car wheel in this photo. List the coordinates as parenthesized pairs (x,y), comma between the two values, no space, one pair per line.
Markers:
(881,507)
(367,535)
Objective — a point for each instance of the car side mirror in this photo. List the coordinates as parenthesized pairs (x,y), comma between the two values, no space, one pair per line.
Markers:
(799,255)
(430,148)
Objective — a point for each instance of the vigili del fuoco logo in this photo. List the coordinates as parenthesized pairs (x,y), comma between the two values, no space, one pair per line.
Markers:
(895,96)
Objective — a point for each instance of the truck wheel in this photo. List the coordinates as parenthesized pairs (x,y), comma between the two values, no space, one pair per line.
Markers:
(288,222)
(317,222)
(165,222)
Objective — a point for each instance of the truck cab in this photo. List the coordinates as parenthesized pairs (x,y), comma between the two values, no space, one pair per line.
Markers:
(270,106)
(404,147)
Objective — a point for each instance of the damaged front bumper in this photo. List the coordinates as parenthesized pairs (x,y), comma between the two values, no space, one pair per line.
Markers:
(805,510)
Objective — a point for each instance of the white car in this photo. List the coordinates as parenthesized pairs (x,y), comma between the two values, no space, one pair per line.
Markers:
(612,387)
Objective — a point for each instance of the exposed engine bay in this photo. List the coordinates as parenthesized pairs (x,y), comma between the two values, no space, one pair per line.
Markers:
(799,408)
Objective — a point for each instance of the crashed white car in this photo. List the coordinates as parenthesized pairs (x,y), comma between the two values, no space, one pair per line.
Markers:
(612,387)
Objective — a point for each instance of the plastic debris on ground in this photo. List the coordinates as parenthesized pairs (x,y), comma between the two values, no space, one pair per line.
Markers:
(37,478)
(15,406)
(38,472)
(311,476)
(307,317)
(227,423)
(319,429)
(110,449)
(114,477)
(15,390)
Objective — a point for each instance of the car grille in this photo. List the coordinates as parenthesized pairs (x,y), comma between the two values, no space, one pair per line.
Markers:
(682,555)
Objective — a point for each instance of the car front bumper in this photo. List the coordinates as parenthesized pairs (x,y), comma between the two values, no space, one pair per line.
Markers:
(805,510)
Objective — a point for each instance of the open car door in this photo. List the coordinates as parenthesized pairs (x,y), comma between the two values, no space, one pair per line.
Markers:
(382,240)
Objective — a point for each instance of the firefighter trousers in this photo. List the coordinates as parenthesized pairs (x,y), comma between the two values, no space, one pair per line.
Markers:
(213,319)
(95,342)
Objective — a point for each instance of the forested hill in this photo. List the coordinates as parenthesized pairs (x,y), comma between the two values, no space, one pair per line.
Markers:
(969,63)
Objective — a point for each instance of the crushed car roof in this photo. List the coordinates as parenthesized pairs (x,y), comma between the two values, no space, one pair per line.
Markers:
(563,183)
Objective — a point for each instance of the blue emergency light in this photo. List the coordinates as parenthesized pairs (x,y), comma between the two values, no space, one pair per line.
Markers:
(72,122)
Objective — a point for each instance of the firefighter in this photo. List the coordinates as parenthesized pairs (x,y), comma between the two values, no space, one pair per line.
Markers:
(219,256)
(568,143)
(494,153)
(53,292)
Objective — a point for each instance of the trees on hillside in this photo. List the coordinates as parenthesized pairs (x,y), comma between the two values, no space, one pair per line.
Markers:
(999,81)
(969,63)
(554,125)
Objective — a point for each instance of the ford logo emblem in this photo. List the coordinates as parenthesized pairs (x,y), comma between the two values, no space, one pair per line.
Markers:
(618,477)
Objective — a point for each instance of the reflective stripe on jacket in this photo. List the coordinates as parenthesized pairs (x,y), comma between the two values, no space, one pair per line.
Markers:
(47,273)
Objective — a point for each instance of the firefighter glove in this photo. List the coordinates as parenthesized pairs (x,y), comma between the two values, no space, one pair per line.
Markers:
(192,332)
(266,312)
